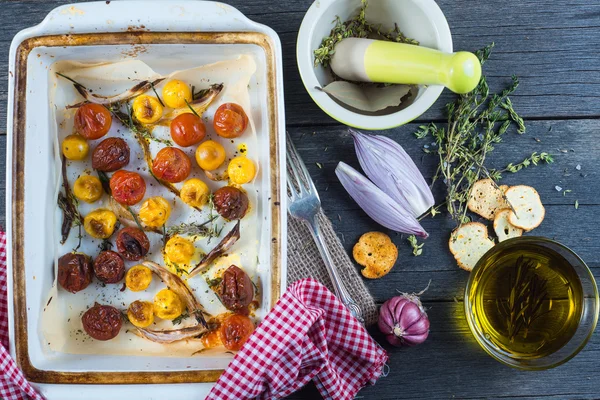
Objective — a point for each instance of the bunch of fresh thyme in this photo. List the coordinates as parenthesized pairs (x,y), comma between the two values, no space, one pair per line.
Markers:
(477,121)
(356,27)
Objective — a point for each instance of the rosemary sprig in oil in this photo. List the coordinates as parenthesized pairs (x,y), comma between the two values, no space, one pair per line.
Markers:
(527,295)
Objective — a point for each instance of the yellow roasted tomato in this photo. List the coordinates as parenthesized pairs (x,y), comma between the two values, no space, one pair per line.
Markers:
(155,211)
(147,109)
(175,93)
(87,188)
(241,170)
(100,223)
(167,305)
(179,250)
(75,147)
(141,313)
(138,278)
(194,193)
(210,155)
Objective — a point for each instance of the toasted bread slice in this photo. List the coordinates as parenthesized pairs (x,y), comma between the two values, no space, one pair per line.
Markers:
(486,198)
(503,228)
(469,243)
(376,252)
(529,212)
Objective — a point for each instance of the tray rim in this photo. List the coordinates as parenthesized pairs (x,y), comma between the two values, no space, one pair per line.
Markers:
(276,138)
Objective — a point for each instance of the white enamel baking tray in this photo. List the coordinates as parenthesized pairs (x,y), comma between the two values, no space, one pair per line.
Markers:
(170,35)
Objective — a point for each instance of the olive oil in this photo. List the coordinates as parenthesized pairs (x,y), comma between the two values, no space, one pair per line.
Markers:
(526,301)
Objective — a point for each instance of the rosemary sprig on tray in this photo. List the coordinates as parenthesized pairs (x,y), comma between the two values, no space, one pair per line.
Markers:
(356,27)
(477,121)
(527,295)
(68,204)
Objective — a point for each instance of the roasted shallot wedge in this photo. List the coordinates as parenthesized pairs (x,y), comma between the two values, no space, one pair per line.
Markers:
(136,90)
(220,249)
(173,335)
(199,104)
(178,286)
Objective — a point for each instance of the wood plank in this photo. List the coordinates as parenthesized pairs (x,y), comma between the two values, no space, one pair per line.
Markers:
(546,43)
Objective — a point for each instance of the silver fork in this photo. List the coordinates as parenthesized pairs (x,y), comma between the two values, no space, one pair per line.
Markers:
(304,204)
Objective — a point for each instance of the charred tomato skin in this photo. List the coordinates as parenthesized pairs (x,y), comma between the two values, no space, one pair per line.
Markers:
(236,289)
(235,330)
(109,267)
(110,155)
(127,187)
(102,322)
(187,129)
(75,272)
(92,121)
(132,243)
(230,121)
(172,165)
(230,202)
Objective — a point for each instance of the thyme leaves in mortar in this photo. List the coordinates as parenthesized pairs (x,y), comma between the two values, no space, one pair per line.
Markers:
(356,27)
(477,122)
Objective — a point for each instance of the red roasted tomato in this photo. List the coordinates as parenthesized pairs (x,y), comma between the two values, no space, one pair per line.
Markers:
(92,121)
(230,121)
(127,187)
(172,165)
(235,330)
(187,130)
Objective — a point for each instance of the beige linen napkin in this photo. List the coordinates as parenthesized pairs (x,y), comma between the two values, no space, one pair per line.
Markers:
(304,261)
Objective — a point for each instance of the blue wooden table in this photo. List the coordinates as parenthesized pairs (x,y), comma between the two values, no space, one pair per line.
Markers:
(553,47)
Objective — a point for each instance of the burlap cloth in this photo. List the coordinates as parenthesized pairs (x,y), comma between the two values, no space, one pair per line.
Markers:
(304,261)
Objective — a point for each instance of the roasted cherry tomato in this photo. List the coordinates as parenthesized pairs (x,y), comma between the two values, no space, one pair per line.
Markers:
(102,322)
(127,187)
(167,305)
(230,120)
(175,93)
(92,121)
(179,250)
(187,129)
(141,313)
(236,289)
(75,147)
(132,243)
(75,271)
(194,193)
(109,267)
(230,202)
(241,170)
(147,109)
(155,211)
(110,155)
(138,278)
(100,223)
(172,165)
(235,330)
(87,188)
(210,155)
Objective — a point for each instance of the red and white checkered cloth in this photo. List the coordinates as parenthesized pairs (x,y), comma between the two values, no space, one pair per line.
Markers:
(13,385)
(309,335)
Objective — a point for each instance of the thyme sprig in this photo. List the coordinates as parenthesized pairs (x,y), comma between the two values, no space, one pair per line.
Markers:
(194,229)
(126,118)
(356,27)
(477,122)
(180,319)
(417,249)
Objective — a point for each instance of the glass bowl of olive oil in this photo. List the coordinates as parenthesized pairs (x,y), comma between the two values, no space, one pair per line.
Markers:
(531,303)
